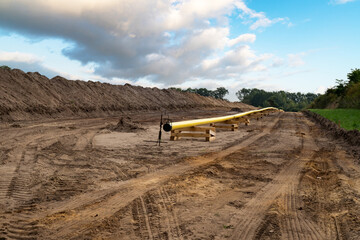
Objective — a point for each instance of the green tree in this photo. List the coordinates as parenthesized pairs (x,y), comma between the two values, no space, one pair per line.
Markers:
(204,92)
(346,94)
(5,67)
(176,89)
(241,94)
(220,92)
(354,76)
(280,99)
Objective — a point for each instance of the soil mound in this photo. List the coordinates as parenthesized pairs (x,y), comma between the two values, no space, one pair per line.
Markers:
(125,124)
(26,96)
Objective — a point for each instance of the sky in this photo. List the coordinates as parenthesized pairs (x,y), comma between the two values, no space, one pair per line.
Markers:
(296,46)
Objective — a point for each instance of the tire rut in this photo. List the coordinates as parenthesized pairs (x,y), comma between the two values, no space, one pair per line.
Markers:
(171,219)
(248,220)
(21,225)
(143,185)
(294,224)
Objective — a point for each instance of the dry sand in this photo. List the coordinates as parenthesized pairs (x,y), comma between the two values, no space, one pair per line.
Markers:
(279,178)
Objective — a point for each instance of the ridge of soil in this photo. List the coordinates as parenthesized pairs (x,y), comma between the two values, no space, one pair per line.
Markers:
(32,96)
(351,137)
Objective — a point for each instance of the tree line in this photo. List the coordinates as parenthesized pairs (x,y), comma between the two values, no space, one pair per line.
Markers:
(345,94)
(219,93)
(261,98)
(280,99)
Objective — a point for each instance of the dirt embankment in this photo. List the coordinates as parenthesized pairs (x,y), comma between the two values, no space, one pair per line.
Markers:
(25,96)
(352,137)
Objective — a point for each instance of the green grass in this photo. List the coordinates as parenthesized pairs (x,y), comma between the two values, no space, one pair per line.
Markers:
(349,118)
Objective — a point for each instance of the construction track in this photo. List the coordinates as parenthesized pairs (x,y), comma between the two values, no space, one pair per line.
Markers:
(279,178)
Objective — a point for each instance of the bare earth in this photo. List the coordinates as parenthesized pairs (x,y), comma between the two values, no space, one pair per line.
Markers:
(278,178)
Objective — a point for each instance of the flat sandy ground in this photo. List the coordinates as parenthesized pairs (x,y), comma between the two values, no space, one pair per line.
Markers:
(280,177)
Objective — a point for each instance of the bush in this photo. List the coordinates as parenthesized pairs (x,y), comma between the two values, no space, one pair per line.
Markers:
(346,94)
(5,67)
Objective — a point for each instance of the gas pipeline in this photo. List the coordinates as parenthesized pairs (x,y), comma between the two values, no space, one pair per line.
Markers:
(168,126)
(191,128)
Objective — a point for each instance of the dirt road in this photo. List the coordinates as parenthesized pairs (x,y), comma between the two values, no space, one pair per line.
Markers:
(279,178)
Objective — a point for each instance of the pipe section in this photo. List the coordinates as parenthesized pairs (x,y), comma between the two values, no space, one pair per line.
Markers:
(190,123)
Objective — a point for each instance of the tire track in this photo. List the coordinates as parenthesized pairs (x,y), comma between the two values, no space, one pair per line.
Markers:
(146,217)
(154,217)
(248,220)
(116,199)
(21,225)
(174,215)
(139,223)
(165,213)
(141,219)
(171,219)
(294,225)
(18,177)
(320,165)
(7,174)
(19,187)
(251,216)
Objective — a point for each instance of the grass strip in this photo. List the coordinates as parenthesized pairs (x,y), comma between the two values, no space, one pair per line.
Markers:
(347,118)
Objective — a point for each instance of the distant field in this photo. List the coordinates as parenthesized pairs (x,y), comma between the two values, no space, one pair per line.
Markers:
(349,118)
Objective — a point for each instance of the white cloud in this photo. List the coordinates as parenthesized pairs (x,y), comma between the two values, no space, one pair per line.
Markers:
(261,20)
(321,89)
(341,1)
(18,57)
(165,42)
(26,62)
(247,37)
(265,22)
(295,60)
(32,63)
(209,39)
(277,62)
(186,12)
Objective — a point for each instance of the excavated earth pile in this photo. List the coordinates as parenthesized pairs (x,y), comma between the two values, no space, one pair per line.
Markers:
(125,124)
(25,96)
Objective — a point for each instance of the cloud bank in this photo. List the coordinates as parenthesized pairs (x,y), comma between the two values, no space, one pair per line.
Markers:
(166,42)
(26,61)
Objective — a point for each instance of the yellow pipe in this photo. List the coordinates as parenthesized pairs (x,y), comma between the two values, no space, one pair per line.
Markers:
(190,123)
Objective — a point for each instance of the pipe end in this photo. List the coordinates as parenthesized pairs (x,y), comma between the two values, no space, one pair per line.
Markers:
(167,127)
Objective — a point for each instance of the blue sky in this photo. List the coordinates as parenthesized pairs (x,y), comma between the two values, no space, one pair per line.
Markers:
(274,45)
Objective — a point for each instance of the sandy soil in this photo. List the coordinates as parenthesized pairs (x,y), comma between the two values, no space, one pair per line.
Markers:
(32,96)
(279,178)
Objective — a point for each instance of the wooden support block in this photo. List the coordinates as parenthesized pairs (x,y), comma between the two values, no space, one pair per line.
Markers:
(235,121)
(196,129)
(244,120)
(211,135)
(223,125)
(207,132)
(256,115)
(175,135)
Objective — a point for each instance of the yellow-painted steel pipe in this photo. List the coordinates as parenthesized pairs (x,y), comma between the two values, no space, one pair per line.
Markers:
(190,123)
